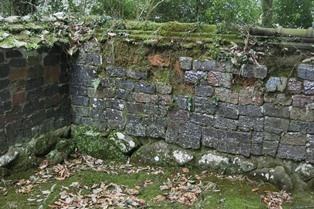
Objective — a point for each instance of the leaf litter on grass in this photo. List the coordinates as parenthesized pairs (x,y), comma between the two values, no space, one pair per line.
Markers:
(180,187)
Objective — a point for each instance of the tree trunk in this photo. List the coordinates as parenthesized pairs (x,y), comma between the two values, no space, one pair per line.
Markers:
(267,13)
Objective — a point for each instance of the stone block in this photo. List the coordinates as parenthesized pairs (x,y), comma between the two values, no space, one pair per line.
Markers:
(179,116)
(137,74)
(4,71)
(185,63)
(17,63)
(13,54)
(35,94)
(309,154)
(115,104)
(249,95)
(51,76)
(190,136)
(247,123)
(302,114)
(260,71)
(309,87)
(298,126)
(205,105)
(270,148)
(250,110)
(134,126)
(294,86)
(194,77)
(294,139)
(211,137)
(165,100)
(235,142)
(204,90)
(172,132)
(90,59)
(125,84)
(275,110)
(4,84)
(257,143)
(115,119)
(276,84)
(247,70)
(51,60)
(225,123)
(291,152)
(202,119)
(216,78)
(145,88)
(19,98)
(163,88)
(156,130)
(306,72)
(276,125)
(142,97)
(136,108)
(79,100)
(206,65)
(115,72)
(108,82)
(181,102)
(228,111)
(301,100)
(76,90)
(1,57)
(226,95)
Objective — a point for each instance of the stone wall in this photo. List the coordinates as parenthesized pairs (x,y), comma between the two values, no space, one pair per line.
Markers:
(238,111)
(34,94)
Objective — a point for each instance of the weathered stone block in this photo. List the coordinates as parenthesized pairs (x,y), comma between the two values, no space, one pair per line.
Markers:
(294,139)
(247,71)
(226,95)
(4,83)
(216,78)
(276,125)
(172,132)
(163,88)
(13,54)
(228,111)
(249,95)
(250,110)
(115,119)
(306,72)
(294,86)
(4,71)
(206,65)
(115,104)
(302,114)
(204,105)
(142,97)
(291,152)
(18,63)
(115,72)
(80,100)
(225,123)
(185,63)
(309,87)
(235,143)
(1,57)
(270,148)
(275,110)
(91,59)
(190,136)
(145,88)
(194,77)
(137,74)
(204,90)
(211,137)
(125,84)
(247,123)
(202,119)
(260,71)
(309,155)
(179,116)
(181,102)
(165,100)
(276,84)
(301,100)
(134,126)
(298,126)
(155,130)
(257,143)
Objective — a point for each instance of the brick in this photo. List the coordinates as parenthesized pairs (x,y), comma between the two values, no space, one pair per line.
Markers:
(4,70)
(19,98)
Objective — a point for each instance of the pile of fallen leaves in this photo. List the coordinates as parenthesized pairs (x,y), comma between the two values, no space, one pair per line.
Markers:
(101,196)
(274,200)
(183,188)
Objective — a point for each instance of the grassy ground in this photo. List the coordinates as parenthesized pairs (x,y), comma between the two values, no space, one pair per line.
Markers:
(124,185)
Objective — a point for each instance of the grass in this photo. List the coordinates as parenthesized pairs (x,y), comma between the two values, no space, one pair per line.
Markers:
(232,192)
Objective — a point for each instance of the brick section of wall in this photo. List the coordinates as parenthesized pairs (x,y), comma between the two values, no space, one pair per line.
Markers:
(275,120)
(34,94)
